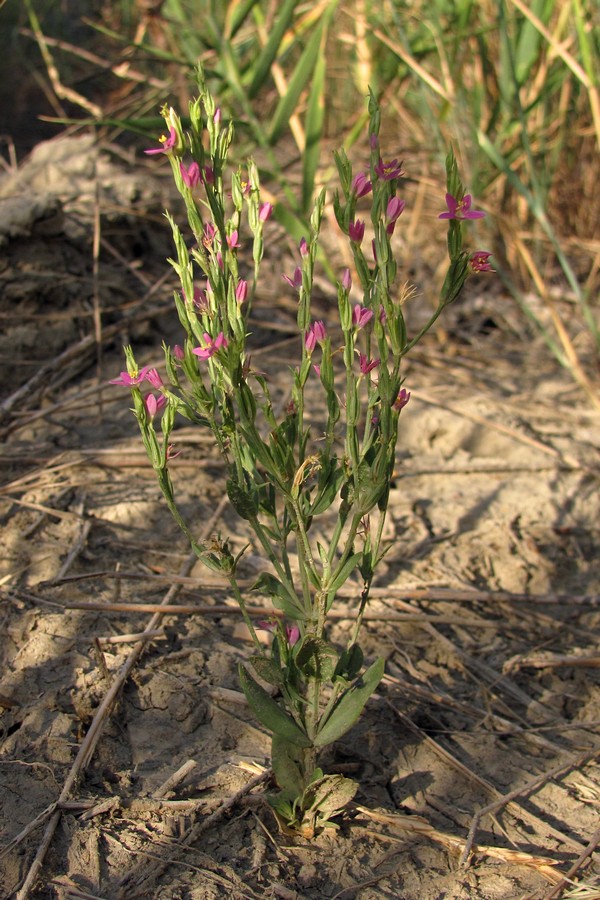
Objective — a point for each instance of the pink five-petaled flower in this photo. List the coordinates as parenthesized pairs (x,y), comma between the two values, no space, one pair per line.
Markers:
(394,209)
(361,315)
(190,175)
(178,352)
(303,248)
(265,211)
(401,400)
(296,281)
(388,170)
(479,261)
(167,143)
(367,365)
(232,240)
(316,332)
(241,290)
(129,380)
(460,209)
(212,345)
(361,185)
(209,175)
(154,404)
(356,231)
(347,280)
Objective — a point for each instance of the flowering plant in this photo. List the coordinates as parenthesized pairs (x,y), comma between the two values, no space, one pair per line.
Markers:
(316,505)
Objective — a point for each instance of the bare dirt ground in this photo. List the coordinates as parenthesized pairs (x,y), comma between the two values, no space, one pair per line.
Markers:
(130,765)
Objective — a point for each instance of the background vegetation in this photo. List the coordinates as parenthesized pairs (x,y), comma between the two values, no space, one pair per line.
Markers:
(512,85)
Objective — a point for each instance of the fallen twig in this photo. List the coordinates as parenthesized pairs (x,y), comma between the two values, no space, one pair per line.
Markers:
(520,792)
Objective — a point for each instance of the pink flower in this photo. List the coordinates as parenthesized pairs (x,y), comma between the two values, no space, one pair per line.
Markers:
(178,352)
(208,235)
(361,185)
(129,380)
(209,175)
(217,116)
(154,379)
(303,248)
(154,404)
(212,346)
(401,400)
(460,209)
(296,281)
(316,332)
(347,280)
(394,210)
(356,231)
(191,175)
(292,632)
(317,371)
(367,365)
(201,300)
(241,290)
(361,315)
(480,261)
(167,143)
(265,211)
(388,170)
(232,240)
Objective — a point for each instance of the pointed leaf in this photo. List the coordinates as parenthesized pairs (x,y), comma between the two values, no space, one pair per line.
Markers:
(315,117)
(300,77)
(262,66)
(350,705)
(270,713)
(282,598)
(286,760)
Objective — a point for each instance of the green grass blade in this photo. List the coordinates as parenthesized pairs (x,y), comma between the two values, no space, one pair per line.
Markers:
(263,64)
(589,52)
(237,13)
(315,118)
(302,73)
(528,45)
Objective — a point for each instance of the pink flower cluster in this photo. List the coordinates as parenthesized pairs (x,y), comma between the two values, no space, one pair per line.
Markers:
(152,403)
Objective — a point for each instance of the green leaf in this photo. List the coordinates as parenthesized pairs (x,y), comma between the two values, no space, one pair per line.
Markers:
(341,575)
(282,598)
(316,658)
(329,484)
(315,117)
(286,760)
(350,705)
(262,66)
(328,796)
(349,663)
(244,502)
(267,669)
(301,75)
(237,12)
(270,713)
